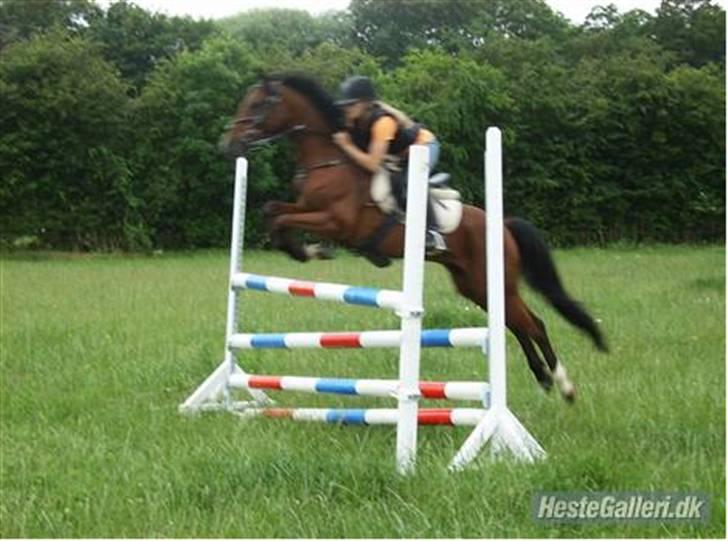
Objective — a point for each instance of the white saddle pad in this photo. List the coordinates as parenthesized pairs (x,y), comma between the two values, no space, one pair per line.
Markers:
(446,202)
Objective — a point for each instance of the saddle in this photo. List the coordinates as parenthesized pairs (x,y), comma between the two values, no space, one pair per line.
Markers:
(388,191)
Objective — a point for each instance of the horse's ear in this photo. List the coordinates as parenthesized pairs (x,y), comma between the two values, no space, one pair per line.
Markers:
(263,79)
(272,87)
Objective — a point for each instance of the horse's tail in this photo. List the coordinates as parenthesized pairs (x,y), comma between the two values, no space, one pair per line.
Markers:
(541,274)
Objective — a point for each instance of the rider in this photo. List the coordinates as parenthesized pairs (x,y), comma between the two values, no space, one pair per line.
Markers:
(374,130)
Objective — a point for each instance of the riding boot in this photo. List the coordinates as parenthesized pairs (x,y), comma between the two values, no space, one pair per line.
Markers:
(434,241)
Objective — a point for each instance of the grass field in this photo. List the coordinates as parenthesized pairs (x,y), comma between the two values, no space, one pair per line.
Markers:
(97,353)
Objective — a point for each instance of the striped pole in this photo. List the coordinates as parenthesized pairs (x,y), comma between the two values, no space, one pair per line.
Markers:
(468,337)
(362,296)
(388,416)
(384,388)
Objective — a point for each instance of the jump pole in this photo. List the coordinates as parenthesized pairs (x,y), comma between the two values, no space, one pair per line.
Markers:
(216,385)
(411,309)
(498,424)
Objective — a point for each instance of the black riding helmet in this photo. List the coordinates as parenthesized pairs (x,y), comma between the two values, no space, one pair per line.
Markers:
(357,88)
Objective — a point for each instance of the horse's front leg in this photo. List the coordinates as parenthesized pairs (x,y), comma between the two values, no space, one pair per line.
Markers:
(275,208)
(318,222)
(282,238)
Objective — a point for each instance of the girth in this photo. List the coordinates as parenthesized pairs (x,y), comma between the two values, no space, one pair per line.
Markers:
(302,172)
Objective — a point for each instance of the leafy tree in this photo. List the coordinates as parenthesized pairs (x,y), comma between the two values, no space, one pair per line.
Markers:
(696,138)
(525,19)
(693,29)
(329,64)
(290,30)
(634,128)
(136,41)
(606,32)
(542,164)
(20,19)
(62,123)
(456,98)
(110,118)
(388,28)
(179,173)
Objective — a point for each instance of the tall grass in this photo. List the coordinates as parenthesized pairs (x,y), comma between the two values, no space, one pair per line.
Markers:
(97,352)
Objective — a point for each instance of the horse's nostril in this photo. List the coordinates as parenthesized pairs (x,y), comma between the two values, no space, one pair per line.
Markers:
(230,147)
(237,149)
(223,146)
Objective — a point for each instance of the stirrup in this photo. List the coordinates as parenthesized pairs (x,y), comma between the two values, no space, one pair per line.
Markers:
(439,179)
(434,242)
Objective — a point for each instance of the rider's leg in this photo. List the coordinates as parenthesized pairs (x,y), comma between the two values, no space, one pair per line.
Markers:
(434,241)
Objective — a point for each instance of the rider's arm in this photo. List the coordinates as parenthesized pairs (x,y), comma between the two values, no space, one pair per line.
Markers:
(383,131)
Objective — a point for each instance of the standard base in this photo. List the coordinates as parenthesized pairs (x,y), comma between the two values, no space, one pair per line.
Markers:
(211,395)
(507,434)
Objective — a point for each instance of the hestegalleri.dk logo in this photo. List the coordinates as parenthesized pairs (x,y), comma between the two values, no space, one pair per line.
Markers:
(620,506)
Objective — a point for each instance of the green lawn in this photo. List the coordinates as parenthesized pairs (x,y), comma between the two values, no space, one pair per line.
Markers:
(97,353)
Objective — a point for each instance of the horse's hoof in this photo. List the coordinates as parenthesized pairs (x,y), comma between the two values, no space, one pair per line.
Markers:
(378,260)
(326,252)
(300,257)
(570,395)
(319,251)
(546,384)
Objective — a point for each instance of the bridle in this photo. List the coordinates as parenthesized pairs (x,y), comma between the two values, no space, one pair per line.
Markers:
(273,99)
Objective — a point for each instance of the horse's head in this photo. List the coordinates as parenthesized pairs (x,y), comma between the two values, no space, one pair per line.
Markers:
(276,107)
(261,116)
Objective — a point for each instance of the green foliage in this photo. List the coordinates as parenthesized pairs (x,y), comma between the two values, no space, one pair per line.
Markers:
(291,30)
(184,182)
(455,97)
(615,130)
(390,28)
(330,64)
(20,19)
(693,29)
(599,133)
(136,41)
(62,123)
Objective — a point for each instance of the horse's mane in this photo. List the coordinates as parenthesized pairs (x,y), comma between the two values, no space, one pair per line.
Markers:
(315,93)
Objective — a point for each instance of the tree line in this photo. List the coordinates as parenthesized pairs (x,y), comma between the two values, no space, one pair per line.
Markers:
(614,130)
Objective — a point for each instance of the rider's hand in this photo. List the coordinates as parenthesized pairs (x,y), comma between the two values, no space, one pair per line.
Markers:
(342,138)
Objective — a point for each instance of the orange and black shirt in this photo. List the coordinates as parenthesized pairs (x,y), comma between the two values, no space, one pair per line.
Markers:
(381,126)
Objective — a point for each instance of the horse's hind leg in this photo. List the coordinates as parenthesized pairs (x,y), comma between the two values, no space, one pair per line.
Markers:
(523,327)
(535,363)
(568,391)
(518,320)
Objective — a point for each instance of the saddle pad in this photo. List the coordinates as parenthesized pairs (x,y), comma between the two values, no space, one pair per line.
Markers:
(445,201)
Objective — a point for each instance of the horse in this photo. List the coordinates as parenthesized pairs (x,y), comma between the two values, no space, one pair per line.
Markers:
(334,203)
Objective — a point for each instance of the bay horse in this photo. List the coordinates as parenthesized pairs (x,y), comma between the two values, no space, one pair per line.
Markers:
(334,203)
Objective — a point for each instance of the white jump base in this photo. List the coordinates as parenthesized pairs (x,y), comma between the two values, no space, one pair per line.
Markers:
(493,421)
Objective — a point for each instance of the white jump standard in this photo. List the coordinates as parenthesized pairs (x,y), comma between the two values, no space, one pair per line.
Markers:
(492,421)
